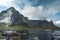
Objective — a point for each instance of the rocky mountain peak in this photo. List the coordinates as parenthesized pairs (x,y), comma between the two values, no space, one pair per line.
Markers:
(11,8)
(11,15)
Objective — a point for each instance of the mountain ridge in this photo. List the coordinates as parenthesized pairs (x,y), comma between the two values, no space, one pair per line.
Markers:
(12,16)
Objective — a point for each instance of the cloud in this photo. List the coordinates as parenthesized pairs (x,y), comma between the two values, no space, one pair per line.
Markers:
(57,23)
(41,12)
(34,12)
(6,3)
(54,7)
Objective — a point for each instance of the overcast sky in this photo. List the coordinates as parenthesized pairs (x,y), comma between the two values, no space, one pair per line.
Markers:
(35,9)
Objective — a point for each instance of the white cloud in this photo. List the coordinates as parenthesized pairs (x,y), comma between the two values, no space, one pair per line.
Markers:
(34,12)
(53,8)
(6,3)
(40,8)
(39,12)
(9,3)
(57,23)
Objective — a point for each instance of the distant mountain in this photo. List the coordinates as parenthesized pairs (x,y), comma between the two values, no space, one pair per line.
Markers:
(40,23)
(12,16)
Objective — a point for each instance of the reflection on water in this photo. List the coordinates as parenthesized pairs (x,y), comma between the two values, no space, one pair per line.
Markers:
(56,35)
(30,35)
(35,38)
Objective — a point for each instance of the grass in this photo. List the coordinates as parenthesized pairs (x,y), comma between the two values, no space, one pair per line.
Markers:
(28,28)
(22,27)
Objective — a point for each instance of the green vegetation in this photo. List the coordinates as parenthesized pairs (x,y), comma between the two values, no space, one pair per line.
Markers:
(2,25)
(23,26)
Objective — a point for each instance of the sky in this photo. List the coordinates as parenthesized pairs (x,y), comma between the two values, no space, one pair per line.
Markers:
(35,9)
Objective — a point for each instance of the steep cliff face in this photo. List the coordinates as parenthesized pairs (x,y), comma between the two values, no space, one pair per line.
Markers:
(12,16)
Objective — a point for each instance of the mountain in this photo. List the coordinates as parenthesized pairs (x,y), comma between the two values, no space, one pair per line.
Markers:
(41,23)
(12,16)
